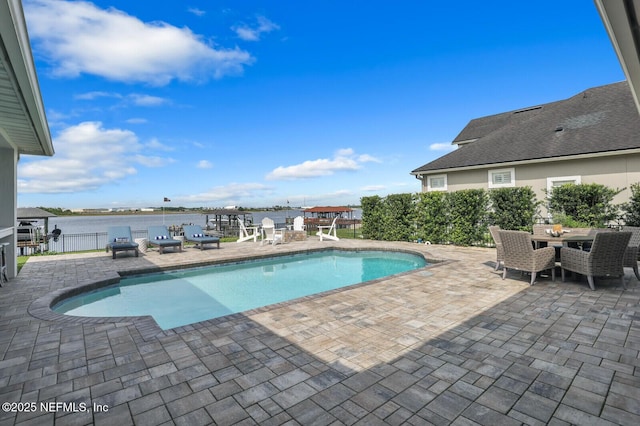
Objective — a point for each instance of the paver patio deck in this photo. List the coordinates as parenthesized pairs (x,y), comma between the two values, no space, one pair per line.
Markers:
(451,344)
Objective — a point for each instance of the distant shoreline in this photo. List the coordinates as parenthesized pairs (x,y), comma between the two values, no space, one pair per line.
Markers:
(160,212)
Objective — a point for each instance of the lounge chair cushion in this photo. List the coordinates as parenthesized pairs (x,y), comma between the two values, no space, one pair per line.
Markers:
(119,239)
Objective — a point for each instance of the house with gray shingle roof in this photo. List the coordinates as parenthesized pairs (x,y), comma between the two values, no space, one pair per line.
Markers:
(592,137)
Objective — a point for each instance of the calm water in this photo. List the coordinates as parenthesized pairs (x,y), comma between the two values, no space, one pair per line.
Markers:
(184,297)
(91,224)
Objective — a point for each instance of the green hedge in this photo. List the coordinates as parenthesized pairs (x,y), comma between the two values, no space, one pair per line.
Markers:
(583,205)
(632,208)
(459,217)
(462,217)
(513,208)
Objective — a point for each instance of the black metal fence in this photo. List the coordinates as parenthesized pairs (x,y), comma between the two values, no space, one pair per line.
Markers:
(67,243)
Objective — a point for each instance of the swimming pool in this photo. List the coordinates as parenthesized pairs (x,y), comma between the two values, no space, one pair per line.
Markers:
(181,297)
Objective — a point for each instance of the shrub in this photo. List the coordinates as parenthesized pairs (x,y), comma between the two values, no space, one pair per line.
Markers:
(632,208)
(513,208)
(468,215)
(584,205)
(372,217)
(432,218)
(398,218)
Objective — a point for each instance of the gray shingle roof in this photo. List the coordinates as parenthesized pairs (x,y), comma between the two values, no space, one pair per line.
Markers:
(32,213)
(601,119)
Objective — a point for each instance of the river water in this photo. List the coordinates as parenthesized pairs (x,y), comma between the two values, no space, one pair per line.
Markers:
(92,224)
(89,232)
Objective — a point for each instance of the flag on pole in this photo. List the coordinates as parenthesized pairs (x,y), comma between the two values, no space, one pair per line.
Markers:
(166,200)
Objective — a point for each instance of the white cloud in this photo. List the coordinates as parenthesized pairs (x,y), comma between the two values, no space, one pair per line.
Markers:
(137,120)
(146,100)
(133,98)
(80,38)
(227,193)
(88,156)
(89,96)
(442,147)
(204,164)
(253,33)
(366,158)
(343,160)
(196,11)
(154,143)
(373,188)
(153,161)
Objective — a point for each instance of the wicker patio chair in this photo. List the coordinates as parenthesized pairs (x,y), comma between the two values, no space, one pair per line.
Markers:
(495,234)
(520,255)
(605,259)
(631,253)
(540,229)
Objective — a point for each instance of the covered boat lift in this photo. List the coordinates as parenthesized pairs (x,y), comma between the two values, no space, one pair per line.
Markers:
(324,215)
(32,235)
(222,222)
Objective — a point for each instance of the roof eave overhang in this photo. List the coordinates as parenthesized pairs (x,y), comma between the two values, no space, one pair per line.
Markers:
(18,61)
(527,162)
(620,18)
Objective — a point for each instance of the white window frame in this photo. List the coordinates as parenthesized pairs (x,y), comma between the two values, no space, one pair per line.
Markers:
(442,188)
(550,180)
(510,184)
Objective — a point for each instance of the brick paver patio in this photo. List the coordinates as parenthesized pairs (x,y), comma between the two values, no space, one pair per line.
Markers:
(450,344)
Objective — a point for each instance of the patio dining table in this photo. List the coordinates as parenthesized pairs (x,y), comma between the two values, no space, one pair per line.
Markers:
(564,239)
(567,240)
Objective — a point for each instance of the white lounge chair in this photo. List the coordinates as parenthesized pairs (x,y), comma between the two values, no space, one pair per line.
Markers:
(247,232)
(269,232)
(330,234)
(298,224)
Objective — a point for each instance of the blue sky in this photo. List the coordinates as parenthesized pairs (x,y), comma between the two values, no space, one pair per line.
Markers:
(260,103)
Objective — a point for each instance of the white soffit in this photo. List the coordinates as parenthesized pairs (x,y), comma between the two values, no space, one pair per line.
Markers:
(620,18)
(23,124)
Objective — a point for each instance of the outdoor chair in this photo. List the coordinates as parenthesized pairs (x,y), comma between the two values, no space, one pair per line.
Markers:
(160,237)
(605,259)
(495,234)
(247,232)
(540,229)
(269,232)
(298,224)
(195,234)
(520,255)
(331,232)
(631,253)
(119,239)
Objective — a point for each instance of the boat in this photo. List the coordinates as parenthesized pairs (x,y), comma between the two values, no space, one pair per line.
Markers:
(27,231)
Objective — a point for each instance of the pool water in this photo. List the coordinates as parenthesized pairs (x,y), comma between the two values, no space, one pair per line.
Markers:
(182,297)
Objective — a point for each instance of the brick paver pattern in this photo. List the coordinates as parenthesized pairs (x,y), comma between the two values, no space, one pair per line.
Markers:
(448,344)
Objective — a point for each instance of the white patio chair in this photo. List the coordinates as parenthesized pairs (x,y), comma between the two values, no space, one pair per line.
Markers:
(330,233)
(269,232)
(247,232)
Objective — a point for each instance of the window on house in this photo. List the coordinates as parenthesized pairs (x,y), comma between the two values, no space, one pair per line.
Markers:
(437,183)
(558,181)
(502,178)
